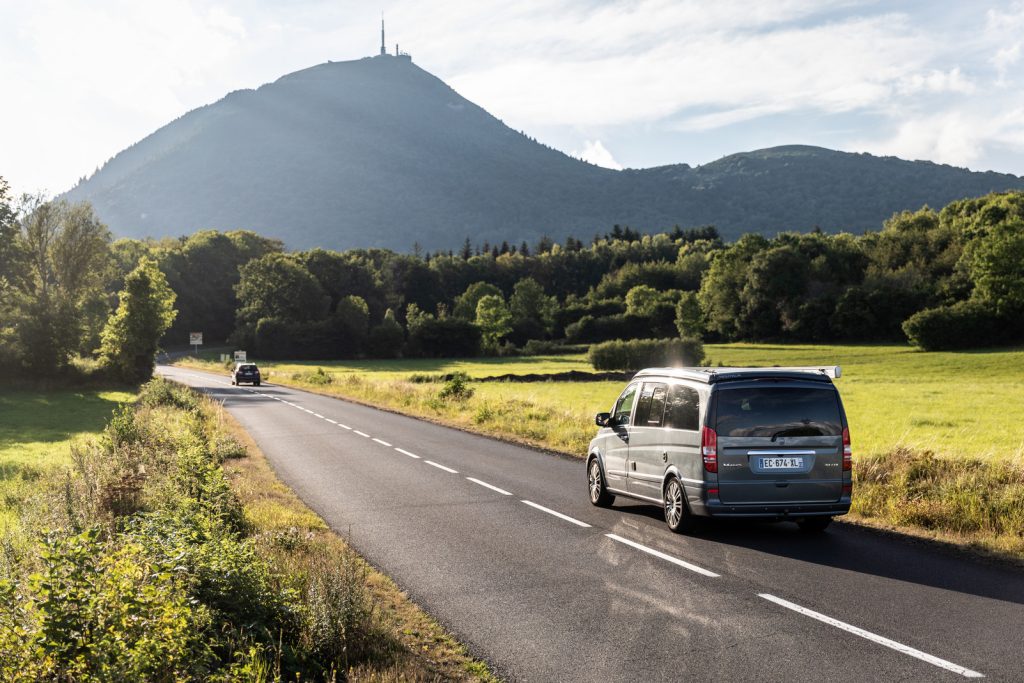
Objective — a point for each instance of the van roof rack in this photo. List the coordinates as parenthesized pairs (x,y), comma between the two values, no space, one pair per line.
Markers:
(713,375)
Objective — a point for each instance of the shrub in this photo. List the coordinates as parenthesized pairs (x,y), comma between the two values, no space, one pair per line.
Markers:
(443,338)
(964,325)
(316,377)
(456,388)
(386,340)
(641,353)
(589,329)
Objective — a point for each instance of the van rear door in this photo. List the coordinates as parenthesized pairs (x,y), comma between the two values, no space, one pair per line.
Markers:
(779,442)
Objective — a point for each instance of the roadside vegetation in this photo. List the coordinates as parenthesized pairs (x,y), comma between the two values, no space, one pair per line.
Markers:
(937,443)
(166,550)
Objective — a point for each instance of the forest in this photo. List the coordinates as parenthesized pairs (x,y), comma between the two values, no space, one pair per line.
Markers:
(940,279)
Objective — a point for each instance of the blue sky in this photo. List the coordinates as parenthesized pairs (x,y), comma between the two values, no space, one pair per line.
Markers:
(634,83)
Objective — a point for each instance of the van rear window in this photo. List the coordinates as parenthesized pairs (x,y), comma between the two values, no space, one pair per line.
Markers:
(778,411)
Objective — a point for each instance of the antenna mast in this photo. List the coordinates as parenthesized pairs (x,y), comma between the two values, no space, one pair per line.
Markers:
(383,50)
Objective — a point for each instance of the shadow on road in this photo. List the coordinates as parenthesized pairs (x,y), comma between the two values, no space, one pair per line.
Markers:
(864,550)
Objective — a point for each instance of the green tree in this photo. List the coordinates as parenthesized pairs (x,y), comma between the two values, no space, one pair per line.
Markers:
(386,340)
(689,317)
(466,303)
(66,252)
(278,286)
(145,311)
(494,319)
(641,300)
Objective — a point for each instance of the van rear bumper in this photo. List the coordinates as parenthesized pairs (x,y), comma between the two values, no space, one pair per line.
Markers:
(716,508)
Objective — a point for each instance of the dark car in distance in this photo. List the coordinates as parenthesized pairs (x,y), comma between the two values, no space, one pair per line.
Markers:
(246,373)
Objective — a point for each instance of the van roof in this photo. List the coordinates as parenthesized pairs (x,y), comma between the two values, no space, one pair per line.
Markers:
(821,373)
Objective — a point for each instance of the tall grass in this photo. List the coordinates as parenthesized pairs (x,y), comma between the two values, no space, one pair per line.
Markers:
(140,562)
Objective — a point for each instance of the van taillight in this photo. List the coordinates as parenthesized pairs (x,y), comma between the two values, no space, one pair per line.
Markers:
(709,449)
(847,450)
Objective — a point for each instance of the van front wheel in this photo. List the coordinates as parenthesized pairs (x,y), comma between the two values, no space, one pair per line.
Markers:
(599,495)
(677,515)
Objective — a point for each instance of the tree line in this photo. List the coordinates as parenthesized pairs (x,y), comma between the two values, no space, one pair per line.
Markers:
(940,279)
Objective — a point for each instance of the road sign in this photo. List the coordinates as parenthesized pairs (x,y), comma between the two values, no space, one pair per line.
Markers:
(239,356)
(195,338)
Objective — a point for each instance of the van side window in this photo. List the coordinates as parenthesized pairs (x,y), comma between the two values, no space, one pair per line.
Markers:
(624,406)
(651,409)
(683,409)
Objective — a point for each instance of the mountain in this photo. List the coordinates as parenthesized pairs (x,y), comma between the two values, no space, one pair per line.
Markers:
(379,153)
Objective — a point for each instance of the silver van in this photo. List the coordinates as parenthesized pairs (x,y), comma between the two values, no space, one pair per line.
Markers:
(769,443)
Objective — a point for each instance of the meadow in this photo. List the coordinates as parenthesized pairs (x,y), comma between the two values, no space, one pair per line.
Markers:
(951,404)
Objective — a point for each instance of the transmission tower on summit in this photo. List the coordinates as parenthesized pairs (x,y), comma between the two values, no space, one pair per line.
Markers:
(383,50)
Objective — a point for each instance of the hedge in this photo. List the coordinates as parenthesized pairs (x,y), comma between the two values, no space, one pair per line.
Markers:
(636,354)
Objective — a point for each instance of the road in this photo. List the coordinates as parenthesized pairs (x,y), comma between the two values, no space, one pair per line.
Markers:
(501,545)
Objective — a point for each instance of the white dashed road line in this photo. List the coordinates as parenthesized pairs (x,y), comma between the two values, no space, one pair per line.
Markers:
(382,443)
(668,558)
(405,452)
(899,647)
(344,426)
(556,514)
(489,486)
(361,433)
(440,467)
(330,420)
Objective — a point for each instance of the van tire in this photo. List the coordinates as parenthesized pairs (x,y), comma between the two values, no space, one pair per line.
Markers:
(814,525)
(677,514)
(599,495)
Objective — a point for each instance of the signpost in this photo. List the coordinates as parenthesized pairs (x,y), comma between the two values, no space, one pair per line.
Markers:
(239,356)
(196,340)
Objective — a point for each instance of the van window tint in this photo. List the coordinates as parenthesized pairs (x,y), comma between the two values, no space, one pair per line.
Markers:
(683,408)
(778,411)
(624,406)
(651,408)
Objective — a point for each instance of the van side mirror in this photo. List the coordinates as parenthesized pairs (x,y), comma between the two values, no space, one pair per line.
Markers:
(604,420)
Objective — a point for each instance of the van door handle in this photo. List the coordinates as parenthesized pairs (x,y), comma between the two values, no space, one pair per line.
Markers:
(664,456)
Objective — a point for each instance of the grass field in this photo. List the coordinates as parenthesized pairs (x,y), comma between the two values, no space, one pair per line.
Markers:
(956,404)
(36,428)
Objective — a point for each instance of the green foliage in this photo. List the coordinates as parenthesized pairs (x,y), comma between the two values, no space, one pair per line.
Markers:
(203,270)
(637,354)
(467,302)
(964,325)
(689,317)
(316,377)
(494,320)
(387,339)
(146,310)
(449,337)
(278,286)
(641,300)
(456,388)
(55,288)
(150,570)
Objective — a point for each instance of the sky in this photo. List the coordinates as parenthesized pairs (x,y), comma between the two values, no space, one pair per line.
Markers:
(620,83)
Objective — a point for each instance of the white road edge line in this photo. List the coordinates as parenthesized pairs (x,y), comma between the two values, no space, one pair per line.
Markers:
(441,467)
(668,558)
(330,420)
(361,433)
(405,452)
(556,514)
(318,415)
(899,647)
(382,443)
(489,486)
(344,426)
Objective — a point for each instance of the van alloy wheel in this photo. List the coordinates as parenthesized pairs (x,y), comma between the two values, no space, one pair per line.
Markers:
(677,516)
(599,495)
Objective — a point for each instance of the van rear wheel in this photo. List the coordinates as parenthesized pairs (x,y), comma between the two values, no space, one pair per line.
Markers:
(677,515)
(599,495)
(814,525)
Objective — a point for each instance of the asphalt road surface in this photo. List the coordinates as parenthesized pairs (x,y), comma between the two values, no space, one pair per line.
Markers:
(501,545)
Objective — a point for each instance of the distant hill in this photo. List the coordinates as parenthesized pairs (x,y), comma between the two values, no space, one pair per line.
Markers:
(379,153)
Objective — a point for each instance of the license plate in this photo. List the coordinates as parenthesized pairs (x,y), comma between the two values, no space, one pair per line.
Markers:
(781,463)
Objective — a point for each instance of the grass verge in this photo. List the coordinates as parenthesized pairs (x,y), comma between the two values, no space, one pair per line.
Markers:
(164,553)
(938,448)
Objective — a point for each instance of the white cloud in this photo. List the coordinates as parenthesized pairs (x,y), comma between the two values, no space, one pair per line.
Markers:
(596,153)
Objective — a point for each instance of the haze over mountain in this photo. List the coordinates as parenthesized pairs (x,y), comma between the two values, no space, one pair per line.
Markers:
(379,153)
